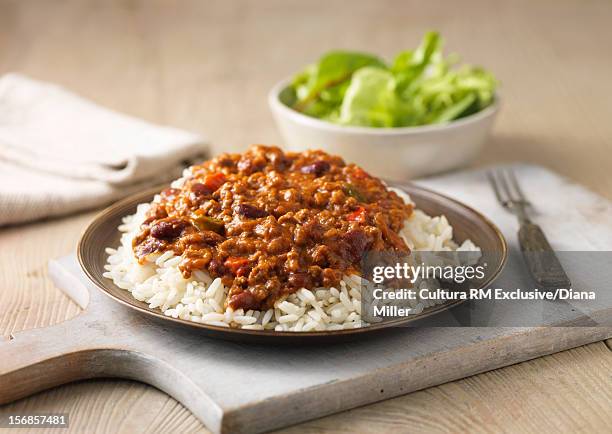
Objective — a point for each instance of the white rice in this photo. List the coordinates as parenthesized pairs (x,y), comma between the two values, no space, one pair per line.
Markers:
(160,284)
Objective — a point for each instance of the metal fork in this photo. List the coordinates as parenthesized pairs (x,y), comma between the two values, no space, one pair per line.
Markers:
(539,255)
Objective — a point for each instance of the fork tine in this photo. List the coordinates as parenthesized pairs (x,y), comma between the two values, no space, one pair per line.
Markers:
(514,182)
(505,187)
(494,184)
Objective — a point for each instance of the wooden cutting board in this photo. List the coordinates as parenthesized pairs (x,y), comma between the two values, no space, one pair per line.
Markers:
(239,388)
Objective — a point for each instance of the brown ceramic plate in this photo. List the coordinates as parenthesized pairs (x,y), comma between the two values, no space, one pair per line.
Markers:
(466,222)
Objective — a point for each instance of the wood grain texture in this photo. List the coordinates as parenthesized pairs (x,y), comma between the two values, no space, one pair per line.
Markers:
(27,297)
(536,396)
(206,66)
(563,392)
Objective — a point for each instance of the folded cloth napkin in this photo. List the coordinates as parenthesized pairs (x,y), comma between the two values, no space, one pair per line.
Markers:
(60,153)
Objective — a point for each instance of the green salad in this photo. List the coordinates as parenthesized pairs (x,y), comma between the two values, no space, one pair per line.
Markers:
(420,87)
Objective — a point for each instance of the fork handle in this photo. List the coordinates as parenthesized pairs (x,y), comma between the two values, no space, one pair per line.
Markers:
(540,258)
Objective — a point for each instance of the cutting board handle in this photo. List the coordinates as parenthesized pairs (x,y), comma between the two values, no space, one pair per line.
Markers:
(78,349)
(87,346)
(38,359)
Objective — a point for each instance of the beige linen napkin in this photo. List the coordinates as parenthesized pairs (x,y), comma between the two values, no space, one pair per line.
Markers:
(60,153)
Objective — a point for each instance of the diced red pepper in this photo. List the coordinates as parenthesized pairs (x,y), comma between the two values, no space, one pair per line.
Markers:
(238,266)
(214,181)
(359,215)
(243,271)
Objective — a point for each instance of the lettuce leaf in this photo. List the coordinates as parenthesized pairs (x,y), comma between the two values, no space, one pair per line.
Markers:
(371,100)
(328,79)
(410,65)
(420,87)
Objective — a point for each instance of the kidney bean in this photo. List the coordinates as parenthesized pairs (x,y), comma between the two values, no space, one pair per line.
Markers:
(167,230)
(244,300)
(149,246)
(319,167)
(357,242)
(299,280)
(201,189)
(250,211)
(249,166)
(216,267)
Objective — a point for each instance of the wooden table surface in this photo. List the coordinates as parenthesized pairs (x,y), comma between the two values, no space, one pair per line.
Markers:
(207,66)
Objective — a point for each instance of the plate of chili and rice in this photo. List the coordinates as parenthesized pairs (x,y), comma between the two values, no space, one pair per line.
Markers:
(269,244)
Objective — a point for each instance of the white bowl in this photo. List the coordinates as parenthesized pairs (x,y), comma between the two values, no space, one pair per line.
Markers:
(392,153)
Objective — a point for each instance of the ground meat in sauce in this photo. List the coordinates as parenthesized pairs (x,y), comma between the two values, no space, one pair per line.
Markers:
(269,223)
